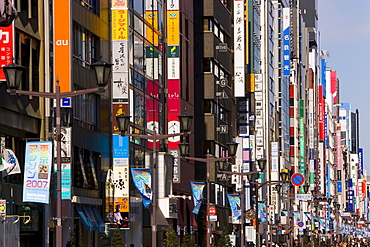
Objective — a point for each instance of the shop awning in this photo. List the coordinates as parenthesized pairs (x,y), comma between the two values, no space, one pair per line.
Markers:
(90,217)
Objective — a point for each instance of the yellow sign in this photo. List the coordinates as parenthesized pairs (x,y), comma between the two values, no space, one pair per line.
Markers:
(119,24)
(173,31)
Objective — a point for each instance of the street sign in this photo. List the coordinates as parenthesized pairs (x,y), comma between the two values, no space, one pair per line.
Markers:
(300,224)
(297,179)
(303,197)
(212,210)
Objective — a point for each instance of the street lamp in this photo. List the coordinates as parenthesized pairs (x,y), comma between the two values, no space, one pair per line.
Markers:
(13,76)
(185,124)
(283,177)
(184,149)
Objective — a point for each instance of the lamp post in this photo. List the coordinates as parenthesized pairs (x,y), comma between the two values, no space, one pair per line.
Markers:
(242,200)
(283,176)
(185,124)
(13,75)
(184,149)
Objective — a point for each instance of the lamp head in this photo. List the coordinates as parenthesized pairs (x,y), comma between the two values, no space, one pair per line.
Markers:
(13,75)
(103,72)
(284,176)
(184,148)
(250,177)
(185,122)
(278,187)
(123,122)
(262,164)
(306,187)
(232,148)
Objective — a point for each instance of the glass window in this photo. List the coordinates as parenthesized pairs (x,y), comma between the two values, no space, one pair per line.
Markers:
(85,110)
(85,46)
(89,4)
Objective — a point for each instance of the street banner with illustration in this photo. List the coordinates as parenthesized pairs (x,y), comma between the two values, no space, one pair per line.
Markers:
(37,167)
(234,201)
(262,215)
(10,162)
(143,181)
(197,190)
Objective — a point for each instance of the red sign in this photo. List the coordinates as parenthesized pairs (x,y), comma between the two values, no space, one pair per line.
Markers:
(212,210)
(297,179)
(6,48)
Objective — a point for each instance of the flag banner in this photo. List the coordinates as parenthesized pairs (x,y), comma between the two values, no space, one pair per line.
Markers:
(197,190)
(262,215)
(296,216)
(10,162)
(234,201)
(143,182)
(37,167)
(308,215)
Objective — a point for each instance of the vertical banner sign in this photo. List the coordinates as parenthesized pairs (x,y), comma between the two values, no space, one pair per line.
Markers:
(120,175)
(120,56)
(274,156)
(239,47)
(360,161)
(234,201)
(173,68)
(143,182)
(66,154)
(321,114)
(6,47)
(262,212)
(197,190)
(62,47)
(37,167)
(286,41)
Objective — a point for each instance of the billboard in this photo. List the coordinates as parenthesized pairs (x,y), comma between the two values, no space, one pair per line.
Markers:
(239,49)
(37,167)
(62,44)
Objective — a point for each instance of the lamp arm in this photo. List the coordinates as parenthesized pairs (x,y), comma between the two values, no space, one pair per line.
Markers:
(207,159)
(61,95)
(155,137)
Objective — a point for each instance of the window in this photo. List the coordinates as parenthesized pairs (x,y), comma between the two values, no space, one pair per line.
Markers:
(85,46)
(85,110)
(90,5)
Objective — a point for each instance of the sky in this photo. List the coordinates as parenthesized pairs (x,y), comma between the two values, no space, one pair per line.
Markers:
(344,28)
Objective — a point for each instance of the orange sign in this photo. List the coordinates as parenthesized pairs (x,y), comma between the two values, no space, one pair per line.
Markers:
(62,46)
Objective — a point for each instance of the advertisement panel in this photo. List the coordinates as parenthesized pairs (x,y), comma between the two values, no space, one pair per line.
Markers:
(37,167)
(62,47)
(239,49)
(6,47)
(286,41)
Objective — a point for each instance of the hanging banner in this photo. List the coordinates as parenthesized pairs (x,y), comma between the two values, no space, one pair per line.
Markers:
(262,215)
(143,182)
(10,162)
(197,190)
(37,167)
(234,201)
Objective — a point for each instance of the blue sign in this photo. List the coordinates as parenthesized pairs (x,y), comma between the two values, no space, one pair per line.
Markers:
(66,102)
(297,179)
(120,146)
(286,51)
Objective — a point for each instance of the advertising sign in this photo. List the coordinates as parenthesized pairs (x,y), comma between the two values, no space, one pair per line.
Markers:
(38,161)
(286,41)
(197,190)
(239,49)
(6,48)
(142,179)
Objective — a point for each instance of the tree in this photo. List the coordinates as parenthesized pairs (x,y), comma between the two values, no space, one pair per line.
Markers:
(224,239)
(117,240)
(187,241)
(171,239)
